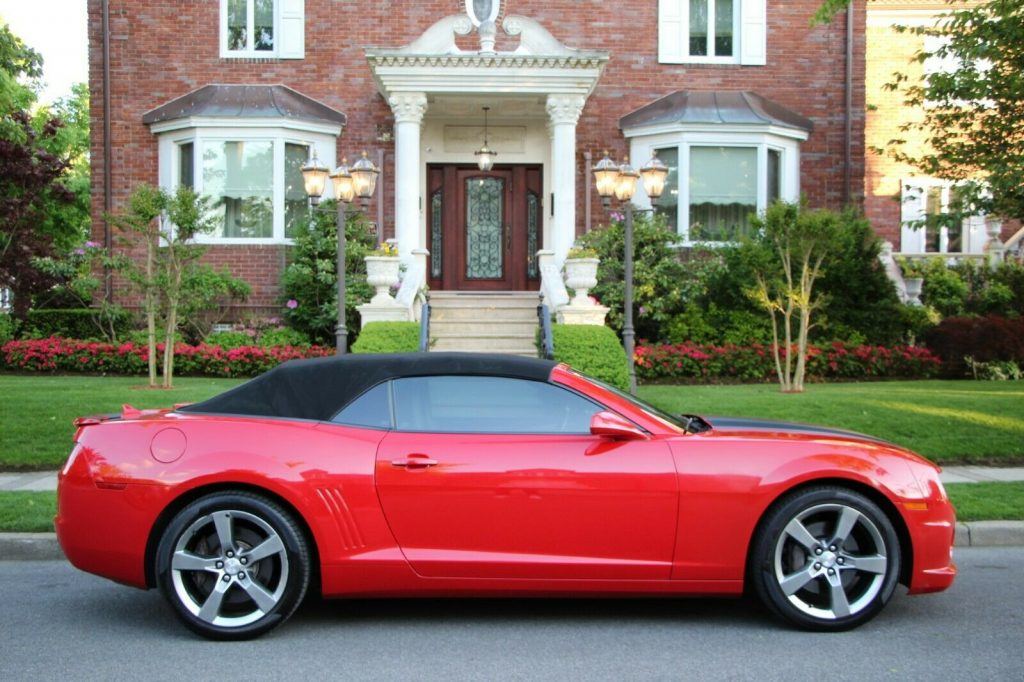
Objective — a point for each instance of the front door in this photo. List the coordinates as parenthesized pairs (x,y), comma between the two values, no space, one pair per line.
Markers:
(484,227)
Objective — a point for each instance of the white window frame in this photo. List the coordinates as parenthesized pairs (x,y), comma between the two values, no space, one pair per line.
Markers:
(749,29)
(642,146)
(914,207)
(321,138)
(289,31)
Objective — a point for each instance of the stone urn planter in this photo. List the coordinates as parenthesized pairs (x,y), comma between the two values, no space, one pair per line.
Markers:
(581,277)
(914,286)
(382,274)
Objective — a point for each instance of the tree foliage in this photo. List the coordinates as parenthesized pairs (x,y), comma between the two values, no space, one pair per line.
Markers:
(973,108)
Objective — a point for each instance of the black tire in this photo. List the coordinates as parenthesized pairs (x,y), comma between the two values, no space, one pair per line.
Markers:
(256,590)
(798,576)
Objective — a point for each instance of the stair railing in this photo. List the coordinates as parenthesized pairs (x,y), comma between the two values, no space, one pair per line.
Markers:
(425,327)
(547,340)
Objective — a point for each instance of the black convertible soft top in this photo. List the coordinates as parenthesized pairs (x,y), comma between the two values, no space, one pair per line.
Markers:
(319,388)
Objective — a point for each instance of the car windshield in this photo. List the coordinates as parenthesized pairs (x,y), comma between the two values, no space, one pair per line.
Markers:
(682,423)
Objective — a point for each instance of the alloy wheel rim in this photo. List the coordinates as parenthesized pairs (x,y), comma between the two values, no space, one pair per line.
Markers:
(229,568)
(830,561)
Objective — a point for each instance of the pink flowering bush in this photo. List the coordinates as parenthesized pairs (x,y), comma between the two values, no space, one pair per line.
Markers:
(55,354)
(691,362)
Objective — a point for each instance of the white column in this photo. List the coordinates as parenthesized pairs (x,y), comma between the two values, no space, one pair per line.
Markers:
(408,108)
(563,114)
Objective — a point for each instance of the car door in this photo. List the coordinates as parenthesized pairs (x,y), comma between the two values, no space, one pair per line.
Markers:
(491,477)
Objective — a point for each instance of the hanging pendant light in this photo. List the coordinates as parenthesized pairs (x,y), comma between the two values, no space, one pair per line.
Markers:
(485,155)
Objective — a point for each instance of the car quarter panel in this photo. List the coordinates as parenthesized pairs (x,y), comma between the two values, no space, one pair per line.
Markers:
(117,489)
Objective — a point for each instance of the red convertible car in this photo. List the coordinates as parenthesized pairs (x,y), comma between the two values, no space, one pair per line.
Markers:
(462,475)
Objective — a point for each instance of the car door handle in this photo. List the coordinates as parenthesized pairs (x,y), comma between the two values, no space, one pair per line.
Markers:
(415,461)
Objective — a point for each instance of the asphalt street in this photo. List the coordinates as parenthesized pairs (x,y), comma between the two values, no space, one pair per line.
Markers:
(57,622)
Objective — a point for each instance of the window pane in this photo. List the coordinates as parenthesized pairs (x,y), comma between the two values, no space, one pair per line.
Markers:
(463,404)
(296,203)
(668,203)
(237,24)
(186,165)
(263,28)
(436,233)
(532,235)
(485,213)
(774,175)
(723,28)
(723,192)
(372,410)
(699,27)
(239,177)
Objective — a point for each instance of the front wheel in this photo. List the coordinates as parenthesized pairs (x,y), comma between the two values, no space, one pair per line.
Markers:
(233,565)
(826,559)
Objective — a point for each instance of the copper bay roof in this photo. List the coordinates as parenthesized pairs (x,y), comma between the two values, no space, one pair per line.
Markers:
(245,101)
(727,107)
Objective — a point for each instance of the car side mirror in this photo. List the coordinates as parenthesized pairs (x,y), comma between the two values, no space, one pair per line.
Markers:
(610,425)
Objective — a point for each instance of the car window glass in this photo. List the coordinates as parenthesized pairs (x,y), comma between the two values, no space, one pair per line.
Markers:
(465,404)
(372,410)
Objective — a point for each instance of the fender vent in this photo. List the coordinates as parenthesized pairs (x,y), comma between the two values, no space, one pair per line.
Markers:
(337,508)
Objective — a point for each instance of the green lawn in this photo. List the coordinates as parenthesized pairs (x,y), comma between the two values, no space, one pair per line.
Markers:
(947,421)
(30,512)
(27,512)
(36,411)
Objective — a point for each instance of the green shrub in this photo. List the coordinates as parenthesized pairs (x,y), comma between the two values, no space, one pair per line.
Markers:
(388,337)
(592,350)
(75,323)
(6,328)
(658,274)
(310,281)
(140,337)
(283,336)
(229,340)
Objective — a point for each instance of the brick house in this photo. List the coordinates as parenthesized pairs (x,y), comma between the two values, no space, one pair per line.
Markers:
(897,197)
(743,99)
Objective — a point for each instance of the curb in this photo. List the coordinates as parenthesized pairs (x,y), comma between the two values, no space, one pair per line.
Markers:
(44,546)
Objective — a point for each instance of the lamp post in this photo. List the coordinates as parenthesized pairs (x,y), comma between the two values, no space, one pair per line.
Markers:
(359,181)
(619,180)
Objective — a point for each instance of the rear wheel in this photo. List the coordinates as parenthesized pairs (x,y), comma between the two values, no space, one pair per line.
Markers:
(233,565)
(826,559)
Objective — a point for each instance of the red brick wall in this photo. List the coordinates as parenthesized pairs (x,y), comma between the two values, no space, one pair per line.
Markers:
(162,49)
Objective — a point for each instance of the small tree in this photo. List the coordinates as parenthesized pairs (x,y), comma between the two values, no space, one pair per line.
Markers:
(787,254)
(188,215)
(144,209)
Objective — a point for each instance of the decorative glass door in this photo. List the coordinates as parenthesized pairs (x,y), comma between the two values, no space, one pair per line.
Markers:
(485,213)
(484,228)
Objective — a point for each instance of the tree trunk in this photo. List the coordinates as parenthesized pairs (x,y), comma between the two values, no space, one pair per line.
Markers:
(151,311)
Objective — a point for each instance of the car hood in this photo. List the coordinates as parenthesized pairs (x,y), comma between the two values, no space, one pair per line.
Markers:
(738,424)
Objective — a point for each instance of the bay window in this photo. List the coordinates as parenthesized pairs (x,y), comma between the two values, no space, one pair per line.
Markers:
(251,176)
(717,182)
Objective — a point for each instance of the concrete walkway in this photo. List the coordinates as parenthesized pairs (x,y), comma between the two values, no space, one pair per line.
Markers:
(47,480)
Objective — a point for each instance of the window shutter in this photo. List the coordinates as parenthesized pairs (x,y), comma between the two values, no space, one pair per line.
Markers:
(292,29)
(671,44)
(753,32)
(912,212)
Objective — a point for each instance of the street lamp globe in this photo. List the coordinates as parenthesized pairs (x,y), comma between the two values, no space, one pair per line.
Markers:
(314,177)
(344,185)
(654,174)
(606,177)
(364,178)
(625,186)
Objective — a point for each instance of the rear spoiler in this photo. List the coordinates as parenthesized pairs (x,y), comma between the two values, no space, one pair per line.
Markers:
(127,412)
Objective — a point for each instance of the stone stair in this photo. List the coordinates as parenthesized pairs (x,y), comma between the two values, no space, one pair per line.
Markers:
(500,322)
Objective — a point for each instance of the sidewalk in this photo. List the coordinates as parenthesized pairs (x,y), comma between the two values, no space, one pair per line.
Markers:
(47,480)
